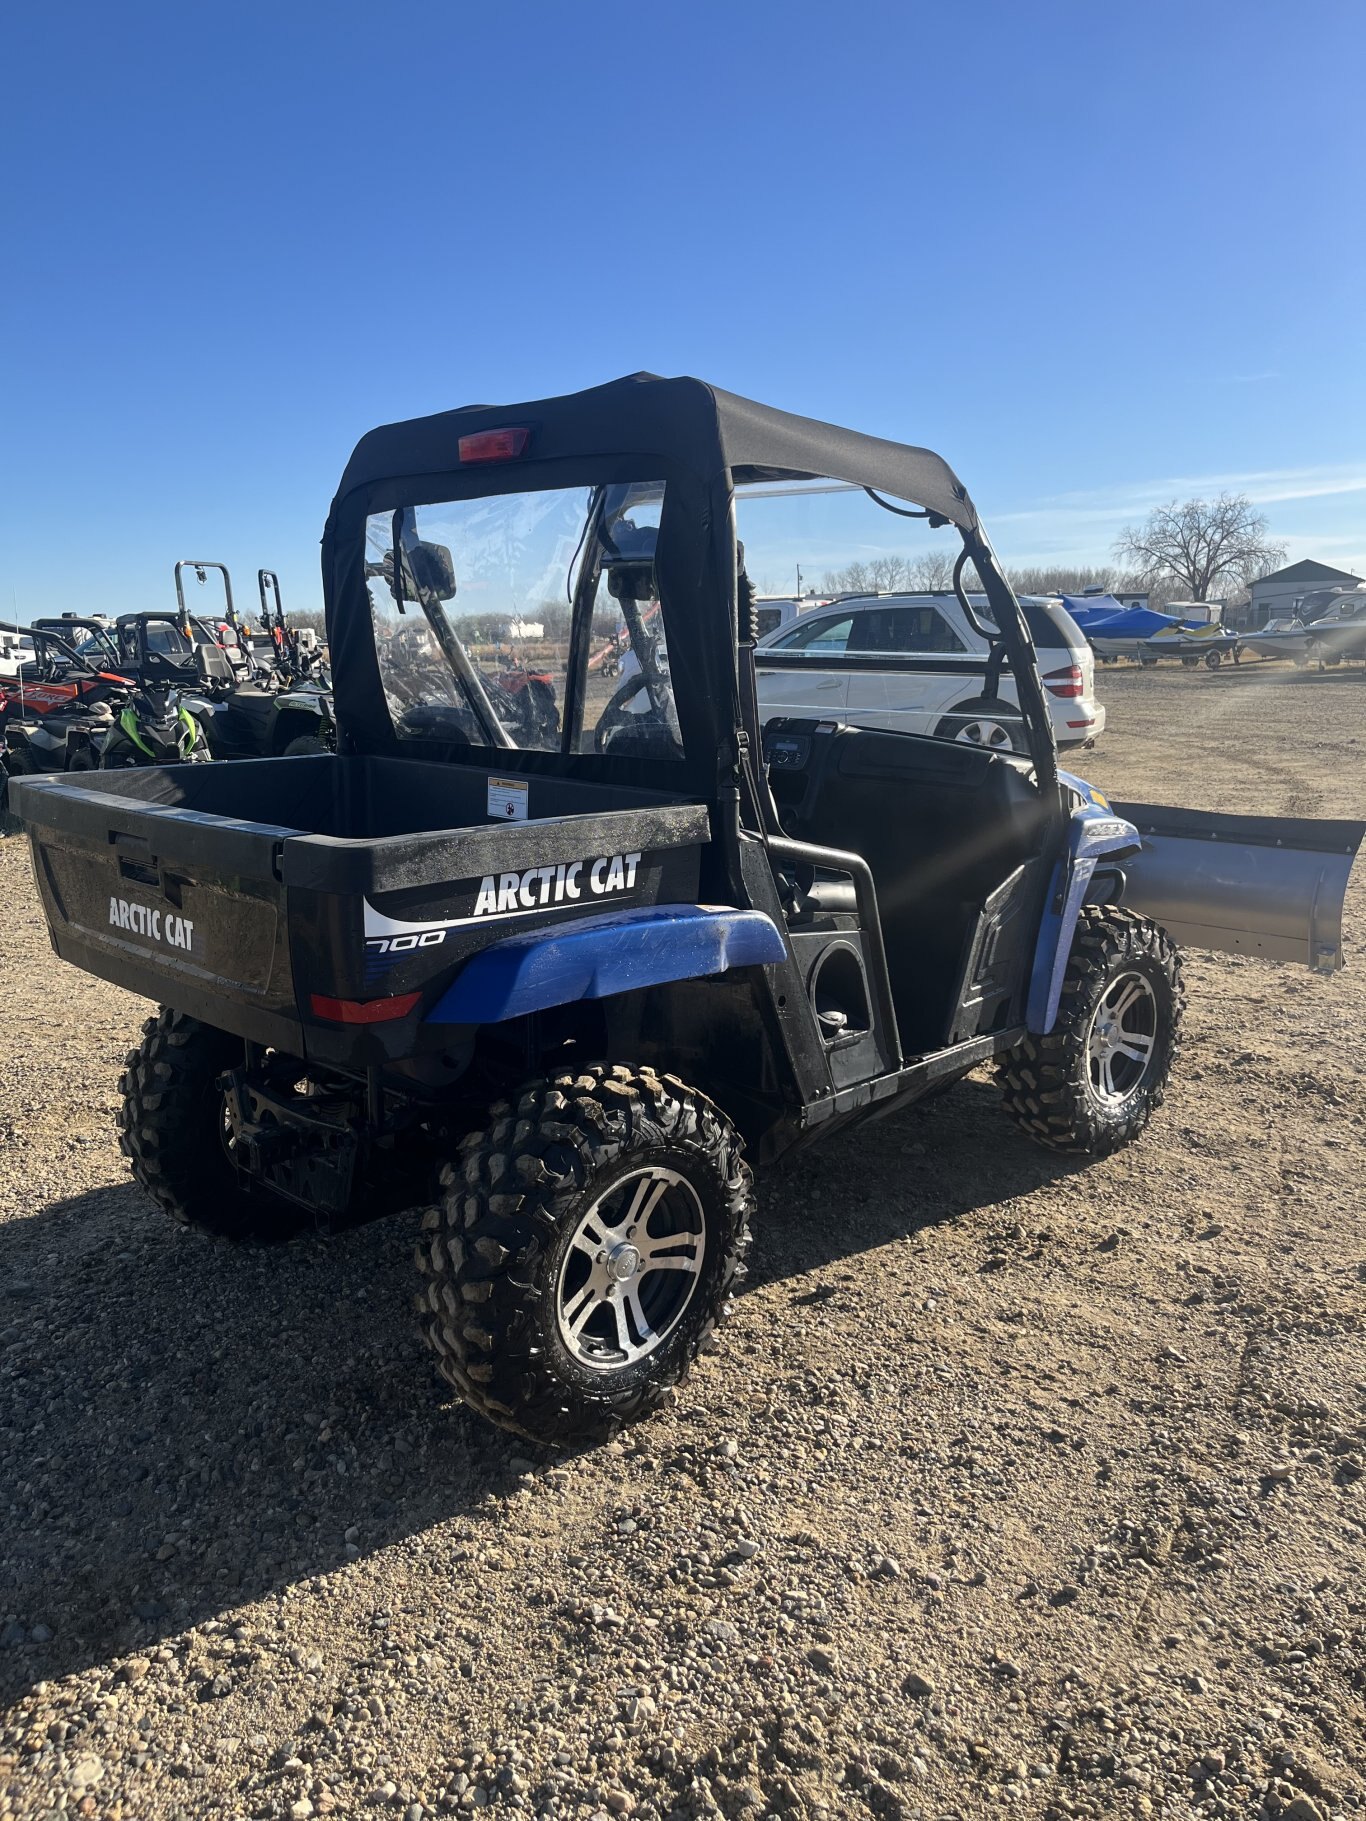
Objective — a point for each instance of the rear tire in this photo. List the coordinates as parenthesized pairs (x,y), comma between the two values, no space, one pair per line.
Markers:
(307,743)
(171,1132)
(1099,1076)
(549,1214)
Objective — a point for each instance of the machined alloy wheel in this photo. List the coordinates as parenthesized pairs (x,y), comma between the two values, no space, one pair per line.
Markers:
(1121,1040)
(980,732)
(982,723)
(631,1268)
(585,1245)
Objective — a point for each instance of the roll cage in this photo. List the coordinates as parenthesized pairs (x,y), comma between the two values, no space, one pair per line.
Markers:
(702,443)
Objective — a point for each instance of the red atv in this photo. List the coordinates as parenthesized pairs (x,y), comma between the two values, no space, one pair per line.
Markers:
(56,711)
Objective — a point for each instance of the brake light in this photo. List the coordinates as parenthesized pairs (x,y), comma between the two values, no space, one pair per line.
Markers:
(494,445)
(362,1011)
(1064,682)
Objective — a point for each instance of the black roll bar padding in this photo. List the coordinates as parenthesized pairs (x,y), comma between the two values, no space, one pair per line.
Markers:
(990,633)
(1019,648)
(222,569)
(833,859)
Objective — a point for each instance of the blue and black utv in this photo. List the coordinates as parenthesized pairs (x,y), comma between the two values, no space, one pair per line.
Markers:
(555,959)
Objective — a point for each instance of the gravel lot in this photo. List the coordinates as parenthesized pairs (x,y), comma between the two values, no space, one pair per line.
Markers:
(1011,1483)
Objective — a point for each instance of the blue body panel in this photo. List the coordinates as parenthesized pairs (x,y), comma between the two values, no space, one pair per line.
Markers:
(1093,832)
(596,957)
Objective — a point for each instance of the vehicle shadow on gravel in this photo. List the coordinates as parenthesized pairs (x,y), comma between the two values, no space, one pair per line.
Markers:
(933,1162)
(186,1426)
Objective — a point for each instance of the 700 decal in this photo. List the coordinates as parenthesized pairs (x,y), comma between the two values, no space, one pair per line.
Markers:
(402,945)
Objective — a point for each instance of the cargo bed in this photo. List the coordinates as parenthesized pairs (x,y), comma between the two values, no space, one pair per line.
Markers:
(280,898)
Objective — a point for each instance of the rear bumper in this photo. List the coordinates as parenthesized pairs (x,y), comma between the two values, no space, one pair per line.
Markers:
(1078,723)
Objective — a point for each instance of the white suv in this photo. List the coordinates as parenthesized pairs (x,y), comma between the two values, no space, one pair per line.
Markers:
(912,662)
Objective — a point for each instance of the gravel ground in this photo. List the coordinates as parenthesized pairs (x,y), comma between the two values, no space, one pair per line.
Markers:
(1012,1482)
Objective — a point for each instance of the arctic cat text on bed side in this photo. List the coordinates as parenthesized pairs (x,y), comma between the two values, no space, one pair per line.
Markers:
(562,931)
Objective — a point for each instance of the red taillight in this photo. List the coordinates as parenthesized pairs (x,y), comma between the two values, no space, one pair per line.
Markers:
(362,1011)
(494,445)
(1065,682)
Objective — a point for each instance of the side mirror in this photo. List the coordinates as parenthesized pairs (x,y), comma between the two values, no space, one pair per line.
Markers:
(430,572)
(212,665)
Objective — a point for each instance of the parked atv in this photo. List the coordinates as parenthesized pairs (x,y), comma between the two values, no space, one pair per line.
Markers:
(296,657)
(90,636)
(241,715)
(528,698)
(153,728)
(576,978)
(57,709)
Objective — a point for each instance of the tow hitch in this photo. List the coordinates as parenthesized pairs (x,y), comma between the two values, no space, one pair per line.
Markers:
(303,1145)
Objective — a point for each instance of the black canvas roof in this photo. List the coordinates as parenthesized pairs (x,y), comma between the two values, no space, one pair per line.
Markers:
(702,443)
(696,425)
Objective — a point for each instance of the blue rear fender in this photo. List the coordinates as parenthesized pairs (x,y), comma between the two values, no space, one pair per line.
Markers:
(1094,833)
(599,957)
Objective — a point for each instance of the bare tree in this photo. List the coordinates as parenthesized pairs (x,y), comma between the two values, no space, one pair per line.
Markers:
(877,576)
(932,572)
(891,574)
(1200,543)
(1068,578)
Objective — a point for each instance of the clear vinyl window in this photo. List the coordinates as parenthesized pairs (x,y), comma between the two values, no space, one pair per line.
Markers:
(526,620)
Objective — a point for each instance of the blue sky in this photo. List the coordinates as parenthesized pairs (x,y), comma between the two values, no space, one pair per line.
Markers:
(1097,256)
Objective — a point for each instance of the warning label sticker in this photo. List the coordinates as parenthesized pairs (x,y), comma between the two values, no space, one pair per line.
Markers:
(507,799)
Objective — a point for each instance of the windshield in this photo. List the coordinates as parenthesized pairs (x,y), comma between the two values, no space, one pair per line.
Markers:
(1314,606)
(526,620)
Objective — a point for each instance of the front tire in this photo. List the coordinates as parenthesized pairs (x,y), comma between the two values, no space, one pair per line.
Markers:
(585,1246)
(171,1131)
(1096,1080)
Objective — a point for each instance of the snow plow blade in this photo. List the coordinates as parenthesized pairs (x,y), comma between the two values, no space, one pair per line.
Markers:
(1254,885)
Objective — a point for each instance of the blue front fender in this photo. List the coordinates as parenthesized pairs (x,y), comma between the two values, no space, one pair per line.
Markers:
(1093,832)
(596,957)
